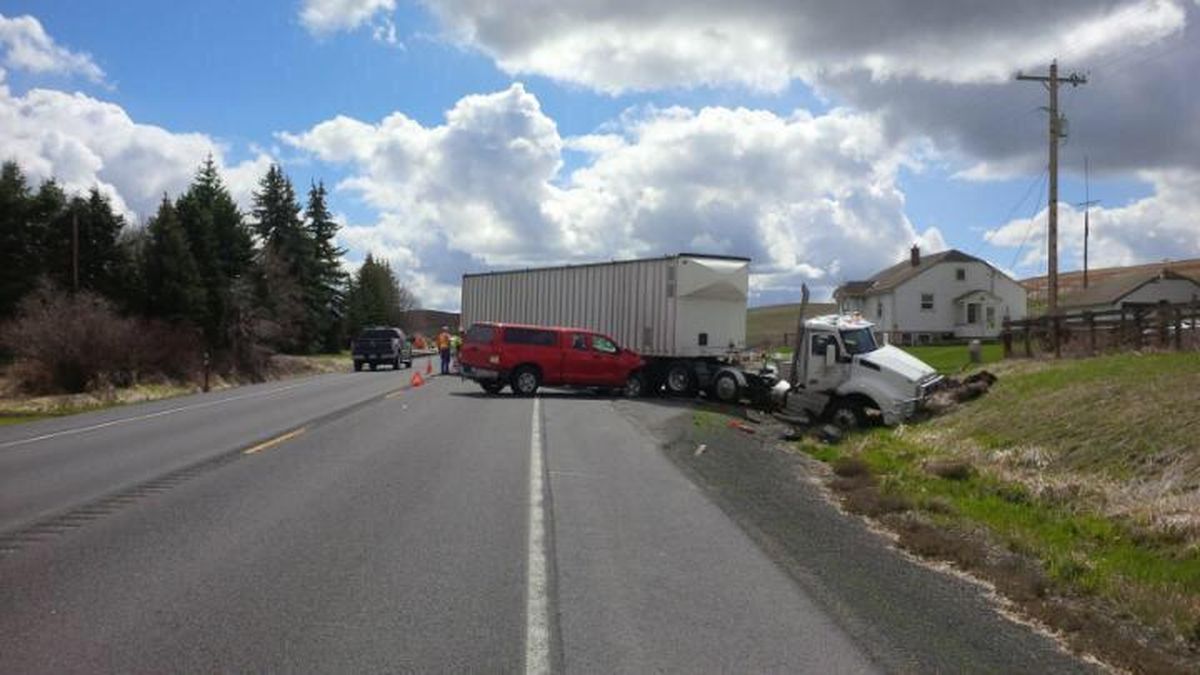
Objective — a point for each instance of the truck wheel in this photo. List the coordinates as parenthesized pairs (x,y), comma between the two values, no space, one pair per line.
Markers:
(726,388)
(358,366)
(635,386)
(848,415)
(396,363)
(492,388)
(374,365)
(525,381)
(680,381)
(408,364)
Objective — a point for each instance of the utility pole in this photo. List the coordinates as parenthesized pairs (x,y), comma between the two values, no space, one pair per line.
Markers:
(1087,205)
(1051,82)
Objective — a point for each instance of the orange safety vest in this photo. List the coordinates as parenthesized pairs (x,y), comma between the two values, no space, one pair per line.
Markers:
(443,341)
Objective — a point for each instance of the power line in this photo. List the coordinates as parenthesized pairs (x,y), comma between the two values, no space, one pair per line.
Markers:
(1032,220)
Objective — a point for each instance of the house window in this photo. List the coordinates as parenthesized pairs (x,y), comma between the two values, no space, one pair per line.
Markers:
(960,274)
(879,310)
(927,302)
(973,313)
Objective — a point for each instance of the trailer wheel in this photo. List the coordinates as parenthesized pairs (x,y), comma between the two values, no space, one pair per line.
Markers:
(525,381)
(726,388)
(680,380)
(848,414)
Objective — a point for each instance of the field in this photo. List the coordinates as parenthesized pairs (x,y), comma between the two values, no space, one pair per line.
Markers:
(766,326)
(1089,468)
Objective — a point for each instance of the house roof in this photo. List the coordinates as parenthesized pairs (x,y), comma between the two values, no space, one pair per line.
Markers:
(901,272)
(1111,290)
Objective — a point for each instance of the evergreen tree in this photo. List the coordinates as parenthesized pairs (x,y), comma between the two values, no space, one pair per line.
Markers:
(103,264)
(50,230)
(220,243)
(19,246)
(376,297)
(330,279)
(174,290)
(287,260)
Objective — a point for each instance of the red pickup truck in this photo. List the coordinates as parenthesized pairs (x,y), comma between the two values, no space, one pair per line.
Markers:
(527,357)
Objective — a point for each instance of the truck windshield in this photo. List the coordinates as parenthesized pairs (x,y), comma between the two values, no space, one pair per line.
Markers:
(859,341)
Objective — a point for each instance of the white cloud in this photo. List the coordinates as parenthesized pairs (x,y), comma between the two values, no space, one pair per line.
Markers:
(808,198)
(1165,225)
(26,46)
(329,16)
(84,142)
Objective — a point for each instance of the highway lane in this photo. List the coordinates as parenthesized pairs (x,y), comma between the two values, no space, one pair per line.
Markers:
(50,466)
(396,537)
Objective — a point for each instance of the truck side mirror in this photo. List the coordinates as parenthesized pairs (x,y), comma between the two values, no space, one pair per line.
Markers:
(830,355)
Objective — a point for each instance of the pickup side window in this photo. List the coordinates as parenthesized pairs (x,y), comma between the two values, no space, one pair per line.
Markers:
(579,341)
(604,345)
(531,336)
(481,334)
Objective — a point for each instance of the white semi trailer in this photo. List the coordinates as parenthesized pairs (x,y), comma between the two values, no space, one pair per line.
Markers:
(686,315)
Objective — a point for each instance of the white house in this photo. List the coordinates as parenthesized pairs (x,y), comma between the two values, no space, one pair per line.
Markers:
(1146,287)
(944,296)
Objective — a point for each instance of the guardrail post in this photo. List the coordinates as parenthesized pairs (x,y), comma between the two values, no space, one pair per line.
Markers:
(1123,330)
(1137,327)
(1178,328)
(1028,341)
(1006,338)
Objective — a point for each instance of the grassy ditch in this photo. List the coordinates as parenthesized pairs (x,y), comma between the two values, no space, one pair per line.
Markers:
(1073,486)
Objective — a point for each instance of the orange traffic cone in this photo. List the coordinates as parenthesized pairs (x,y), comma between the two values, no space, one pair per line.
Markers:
(429,367)
(417,380)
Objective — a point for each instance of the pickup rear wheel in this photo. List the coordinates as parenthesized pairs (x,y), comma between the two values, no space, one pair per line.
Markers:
(680,381)
(635,386)
(525,381)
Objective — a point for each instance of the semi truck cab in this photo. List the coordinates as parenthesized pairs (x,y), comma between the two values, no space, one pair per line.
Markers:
(843,374)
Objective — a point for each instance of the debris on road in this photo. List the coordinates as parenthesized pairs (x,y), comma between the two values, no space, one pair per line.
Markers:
(741,426)
(700,450)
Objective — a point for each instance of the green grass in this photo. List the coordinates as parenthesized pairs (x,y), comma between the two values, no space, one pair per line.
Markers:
(953,359)
(20,418)
(1123,419)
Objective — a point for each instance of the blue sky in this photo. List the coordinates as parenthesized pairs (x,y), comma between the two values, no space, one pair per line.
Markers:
(242,75)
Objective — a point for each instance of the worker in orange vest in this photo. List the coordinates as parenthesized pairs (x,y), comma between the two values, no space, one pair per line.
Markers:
(443,346)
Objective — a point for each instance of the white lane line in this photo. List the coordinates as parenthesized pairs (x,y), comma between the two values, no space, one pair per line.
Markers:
(537,602)
(139,418)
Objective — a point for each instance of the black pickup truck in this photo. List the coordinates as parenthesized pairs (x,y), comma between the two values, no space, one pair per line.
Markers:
(381,345)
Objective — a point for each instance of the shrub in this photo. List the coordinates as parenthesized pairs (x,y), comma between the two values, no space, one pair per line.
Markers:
(70,343)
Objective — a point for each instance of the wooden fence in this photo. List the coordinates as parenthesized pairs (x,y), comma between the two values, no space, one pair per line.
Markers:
(1082,333)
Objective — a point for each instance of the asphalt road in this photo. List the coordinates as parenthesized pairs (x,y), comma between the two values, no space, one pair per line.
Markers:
(373,527)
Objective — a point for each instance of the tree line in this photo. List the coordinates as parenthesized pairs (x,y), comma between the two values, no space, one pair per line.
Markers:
(271,279)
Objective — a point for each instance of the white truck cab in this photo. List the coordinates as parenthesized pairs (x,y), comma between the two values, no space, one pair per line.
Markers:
(843,374)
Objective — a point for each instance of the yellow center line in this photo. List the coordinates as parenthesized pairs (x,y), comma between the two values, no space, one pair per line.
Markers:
(283,438)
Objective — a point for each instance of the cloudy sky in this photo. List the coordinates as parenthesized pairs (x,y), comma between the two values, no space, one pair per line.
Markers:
(819,139)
